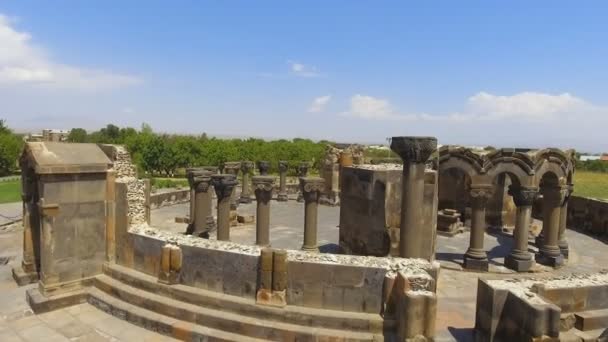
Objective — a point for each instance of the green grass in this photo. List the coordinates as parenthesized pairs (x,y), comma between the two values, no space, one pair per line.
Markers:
(10,191)
(591,184)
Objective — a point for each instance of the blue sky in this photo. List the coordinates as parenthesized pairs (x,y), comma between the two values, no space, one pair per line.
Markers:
(486,73)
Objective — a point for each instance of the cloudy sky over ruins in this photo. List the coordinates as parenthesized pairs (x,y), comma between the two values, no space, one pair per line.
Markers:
(485,73)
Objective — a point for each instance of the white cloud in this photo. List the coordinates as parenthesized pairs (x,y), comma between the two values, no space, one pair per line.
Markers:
(302,70)
(373,108)
(527,106)
(23,63)
(523,107)
(319,103)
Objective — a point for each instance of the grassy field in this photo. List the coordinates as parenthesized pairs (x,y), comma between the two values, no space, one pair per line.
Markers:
(591,184)
(10,191)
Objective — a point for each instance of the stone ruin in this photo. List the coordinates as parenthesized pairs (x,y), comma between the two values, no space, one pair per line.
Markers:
(382,286)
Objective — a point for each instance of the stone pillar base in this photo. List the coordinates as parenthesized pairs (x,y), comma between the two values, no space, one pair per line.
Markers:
(564,249)
(310,248)
(23,277)
(282,198)
(550,260)
(169,278)
(475,264)
(272,298)
(518,265)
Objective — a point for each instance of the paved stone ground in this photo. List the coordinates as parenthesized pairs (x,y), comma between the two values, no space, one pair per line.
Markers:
(9,212)
(456,289)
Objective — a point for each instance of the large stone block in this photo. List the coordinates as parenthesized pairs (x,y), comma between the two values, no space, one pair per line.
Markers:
(370,209)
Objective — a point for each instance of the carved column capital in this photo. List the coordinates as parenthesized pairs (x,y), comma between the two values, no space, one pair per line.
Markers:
(311,187)
(480,194)
(302,169)
(202,183)
(263,167)
(262,186)
(212,169)
(414,149)
(523,196)
(554,196)
(246,166)
(232,168)
(223,185)
(194,173)
(283,166)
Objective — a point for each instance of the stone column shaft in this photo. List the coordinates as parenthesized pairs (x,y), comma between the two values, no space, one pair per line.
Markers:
(223,184)
(563,222)
(311,188)
(476,257)
(414,151)
(550,254)
(233,168)
(282,195)
(246,168)
(263,193)
(520,259)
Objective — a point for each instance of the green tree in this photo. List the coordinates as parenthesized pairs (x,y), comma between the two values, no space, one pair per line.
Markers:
(10,147)
(77,135)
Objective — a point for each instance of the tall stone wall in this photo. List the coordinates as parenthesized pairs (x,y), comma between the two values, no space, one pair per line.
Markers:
(138,190)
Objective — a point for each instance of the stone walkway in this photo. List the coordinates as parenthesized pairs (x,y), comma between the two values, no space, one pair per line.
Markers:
(456,289)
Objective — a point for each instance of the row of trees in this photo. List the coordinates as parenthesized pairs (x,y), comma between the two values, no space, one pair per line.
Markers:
(10,147)
(592,165)
(164,154)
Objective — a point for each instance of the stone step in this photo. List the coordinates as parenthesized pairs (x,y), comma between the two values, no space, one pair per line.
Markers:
(256,327)
(591,320)
(159,323)
(311,317)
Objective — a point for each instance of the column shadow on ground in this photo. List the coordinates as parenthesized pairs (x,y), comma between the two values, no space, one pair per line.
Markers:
(461,334)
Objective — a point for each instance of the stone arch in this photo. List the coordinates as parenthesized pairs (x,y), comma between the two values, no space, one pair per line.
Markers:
(553,160)
(518,165)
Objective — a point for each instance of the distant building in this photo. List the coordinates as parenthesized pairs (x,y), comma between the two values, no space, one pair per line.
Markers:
(585,157)
(55,135)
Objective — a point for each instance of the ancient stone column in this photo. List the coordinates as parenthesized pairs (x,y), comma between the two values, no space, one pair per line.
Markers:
(301,171)
(414,151)
(263,167)
(200,182)
(311,188)
(476,257)
(282,195)
(262,186)
(223,184)
(553,198)
(232,168)
(562,241)
(520,259)
(246,168)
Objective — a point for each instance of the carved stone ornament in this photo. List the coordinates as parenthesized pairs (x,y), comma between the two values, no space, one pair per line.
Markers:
(523,196)
(246,166)
(480,194)
(283,166)
(263,167)
(263,183)
(302,169)
(311,187)
(232,168)
(202,183)
(262,186)
(192,173)
(223,185)
(414,149)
